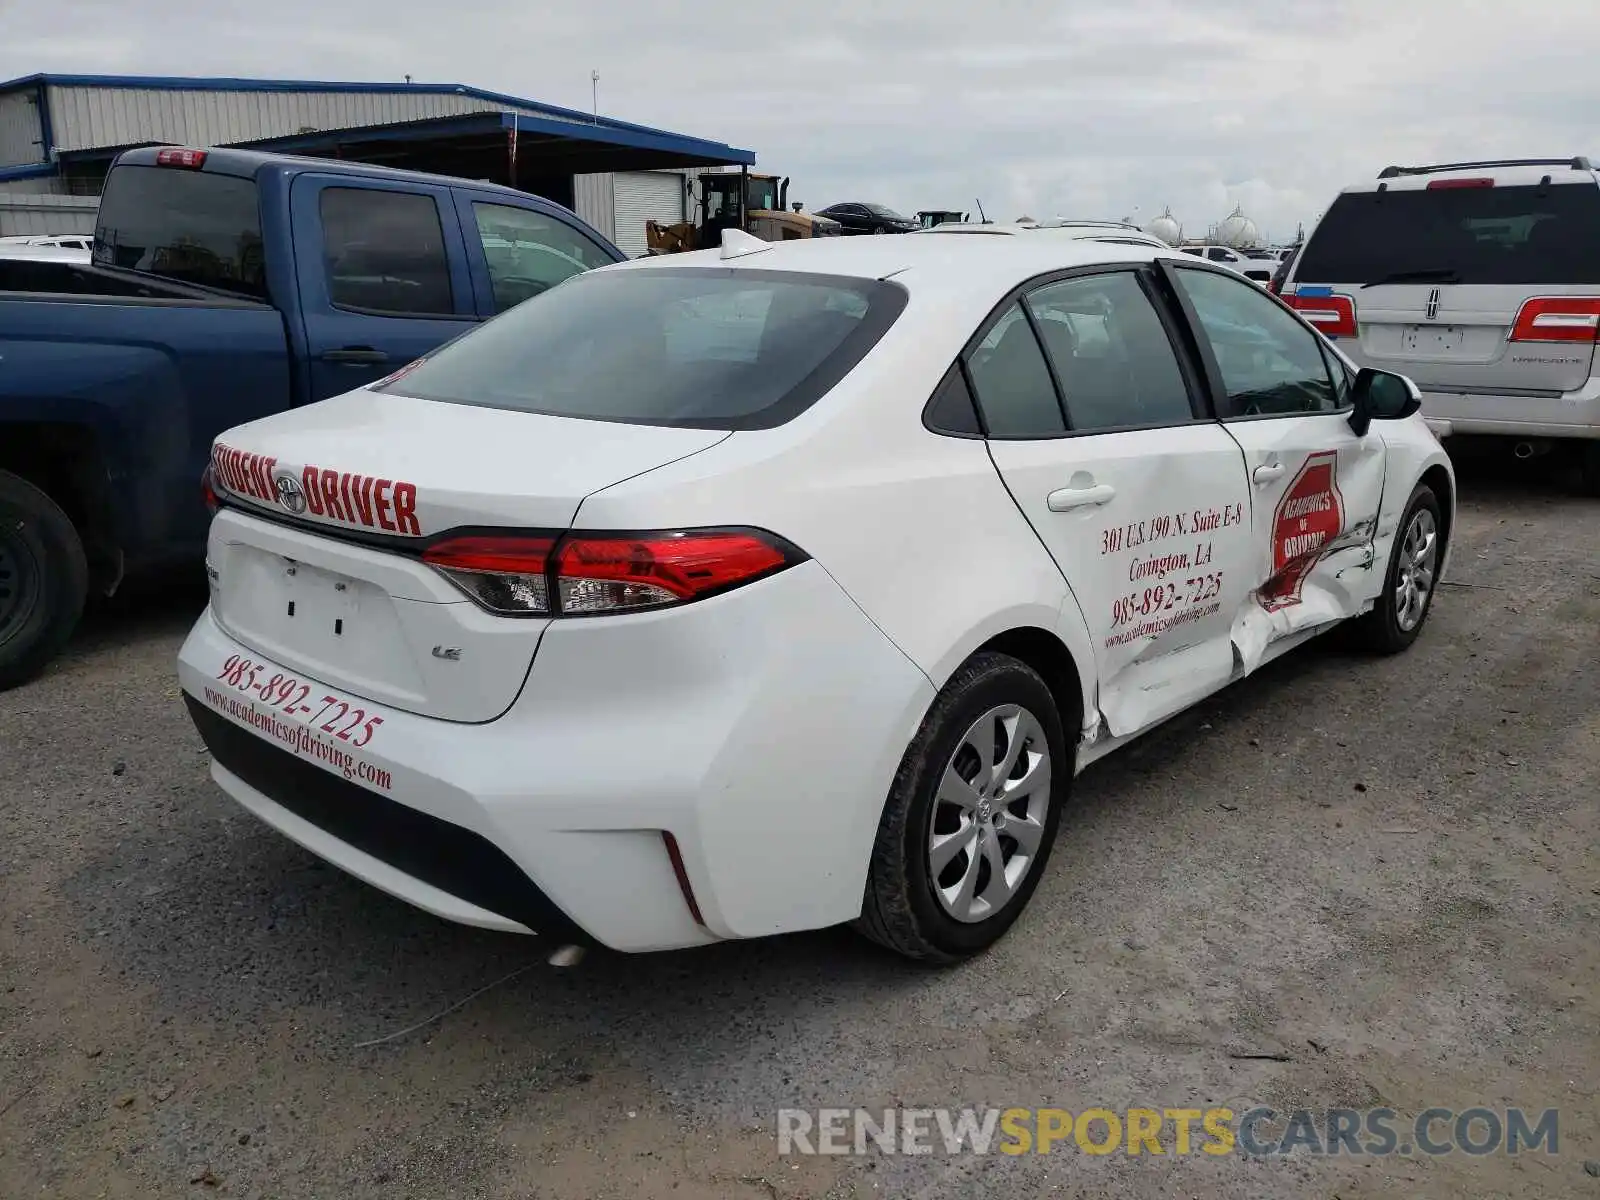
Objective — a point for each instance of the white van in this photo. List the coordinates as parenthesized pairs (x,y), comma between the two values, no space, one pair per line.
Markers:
(1480,281)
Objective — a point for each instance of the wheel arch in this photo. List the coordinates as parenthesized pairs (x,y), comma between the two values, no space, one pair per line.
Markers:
(1047,654)
(66,462)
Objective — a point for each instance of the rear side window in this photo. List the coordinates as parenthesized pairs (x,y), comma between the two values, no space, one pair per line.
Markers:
(1013,383)
(1112,355)
(188,226)
(1473,235)
(699,348)
(385,252)
(528,252)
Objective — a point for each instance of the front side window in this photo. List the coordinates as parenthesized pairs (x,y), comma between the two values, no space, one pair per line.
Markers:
(1271,364)
(385,252)
(1013,383)
(1111,353)
(683,347)
(528,252)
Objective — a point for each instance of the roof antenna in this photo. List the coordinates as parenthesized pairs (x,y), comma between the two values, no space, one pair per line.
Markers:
(982,216)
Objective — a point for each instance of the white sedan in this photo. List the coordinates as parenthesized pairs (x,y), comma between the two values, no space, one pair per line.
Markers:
(787,585)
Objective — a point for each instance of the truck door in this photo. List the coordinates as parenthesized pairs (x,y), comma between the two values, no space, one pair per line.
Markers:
(382,274)
(1315,486)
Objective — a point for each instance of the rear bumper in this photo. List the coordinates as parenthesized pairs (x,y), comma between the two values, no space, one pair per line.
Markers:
(761,728)
(1571,415)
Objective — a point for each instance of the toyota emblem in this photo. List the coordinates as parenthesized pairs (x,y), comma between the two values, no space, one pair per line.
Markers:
(290,494)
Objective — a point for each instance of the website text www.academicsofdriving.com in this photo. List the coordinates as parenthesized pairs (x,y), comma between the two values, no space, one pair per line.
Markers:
(1252,1133)
(302,741)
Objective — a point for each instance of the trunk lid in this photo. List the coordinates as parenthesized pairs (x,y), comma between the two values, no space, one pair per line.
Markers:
(337,594)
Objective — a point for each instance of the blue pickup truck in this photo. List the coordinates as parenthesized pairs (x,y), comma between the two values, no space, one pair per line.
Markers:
(224,285)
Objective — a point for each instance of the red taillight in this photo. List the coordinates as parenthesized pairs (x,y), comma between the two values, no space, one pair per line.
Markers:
(1557,319)
(505,575)
(593,573)
(192,159)
(208,490)
(606,573)
(1437,185)
(1334,316)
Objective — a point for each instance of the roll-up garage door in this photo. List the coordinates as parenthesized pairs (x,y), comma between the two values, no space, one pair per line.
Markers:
(645,196)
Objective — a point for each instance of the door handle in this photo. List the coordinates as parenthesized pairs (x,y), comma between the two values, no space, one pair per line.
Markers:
(362,356)
(1066,499)
(1267,473)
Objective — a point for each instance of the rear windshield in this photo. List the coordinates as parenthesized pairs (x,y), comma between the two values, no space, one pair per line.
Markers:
(189,226)
(711,348)
(1511,235)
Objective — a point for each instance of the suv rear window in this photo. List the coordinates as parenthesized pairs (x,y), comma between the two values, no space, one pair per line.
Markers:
(188,226)
(710,349)
(1484,235)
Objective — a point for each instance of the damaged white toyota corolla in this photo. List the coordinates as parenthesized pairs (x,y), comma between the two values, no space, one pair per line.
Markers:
(780,586)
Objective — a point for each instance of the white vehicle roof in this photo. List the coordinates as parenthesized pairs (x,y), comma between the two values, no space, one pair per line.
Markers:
(44,253)
(918,262)
(1066,229)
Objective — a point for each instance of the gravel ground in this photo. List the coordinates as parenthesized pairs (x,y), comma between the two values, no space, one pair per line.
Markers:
(1394,860)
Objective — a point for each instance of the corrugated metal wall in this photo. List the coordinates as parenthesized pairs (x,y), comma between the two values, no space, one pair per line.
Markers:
(19,129)
(82,118)
(22,213)
(44,185)
(645,196)
(594,198)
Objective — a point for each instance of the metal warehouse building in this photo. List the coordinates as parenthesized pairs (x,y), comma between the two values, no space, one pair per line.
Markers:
(59,134)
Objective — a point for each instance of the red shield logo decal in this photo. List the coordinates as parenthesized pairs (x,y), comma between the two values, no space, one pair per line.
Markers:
(1309,517)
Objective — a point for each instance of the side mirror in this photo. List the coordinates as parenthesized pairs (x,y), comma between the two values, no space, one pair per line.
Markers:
(1382,396)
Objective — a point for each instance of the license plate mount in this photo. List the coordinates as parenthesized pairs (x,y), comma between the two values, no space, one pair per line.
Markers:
(1432,339)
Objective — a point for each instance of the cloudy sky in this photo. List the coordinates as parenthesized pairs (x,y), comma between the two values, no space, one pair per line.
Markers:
(1055,107)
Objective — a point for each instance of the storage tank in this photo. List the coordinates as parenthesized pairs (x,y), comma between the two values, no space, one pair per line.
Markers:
(1238,231)
(1166,228)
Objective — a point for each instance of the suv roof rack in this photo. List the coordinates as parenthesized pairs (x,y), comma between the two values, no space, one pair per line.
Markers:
(1578,163)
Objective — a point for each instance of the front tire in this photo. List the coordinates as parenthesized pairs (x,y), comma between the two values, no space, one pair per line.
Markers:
(969,822)
(1410,581)
(44,580)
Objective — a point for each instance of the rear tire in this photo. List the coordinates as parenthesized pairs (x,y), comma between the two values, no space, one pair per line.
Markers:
(956,860)
(44,580)
(1410,581)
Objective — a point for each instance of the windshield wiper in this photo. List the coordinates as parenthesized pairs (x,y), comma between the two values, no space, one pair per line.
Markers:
(1427,275)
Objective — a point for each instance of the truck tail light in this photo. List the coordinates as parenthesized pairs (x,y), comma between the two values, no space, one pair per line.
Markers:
(591,574)
(1332,315)
(193,160)
(1557,319)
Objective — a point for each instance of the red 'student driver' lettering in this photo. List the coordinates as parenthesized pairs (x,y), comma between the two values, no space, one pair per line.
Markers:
(380,504)
(330,495)
(405,508)
(387,504)
(311,485)
(242,472)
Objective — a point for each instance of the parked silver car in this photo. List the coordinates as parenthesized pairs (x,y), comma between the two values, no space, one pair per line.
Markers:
(1480,281)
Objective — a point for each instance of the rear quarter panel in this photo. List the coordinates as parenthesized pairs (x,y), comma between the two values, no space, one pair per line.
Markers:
(155,381)
(915,526)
